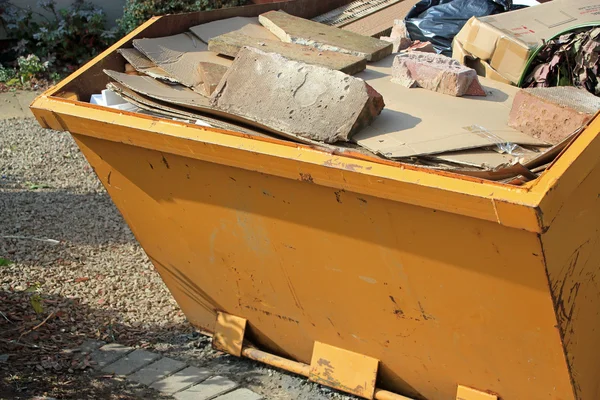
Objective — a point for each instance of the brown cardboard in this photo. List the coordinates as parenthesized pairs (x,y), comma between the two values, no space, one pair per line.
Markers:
(247,26)
(417,121)
(180,55)
(507,40)
(143,64)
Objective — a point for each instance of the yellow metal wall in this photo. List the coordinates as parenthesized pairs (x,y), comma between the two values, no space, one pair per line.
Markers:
(572,251)
(441,299)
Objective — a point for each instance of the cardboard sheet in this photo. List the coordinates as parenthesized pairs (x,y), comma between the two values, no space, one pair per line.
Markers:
(247,26)
(419,122)
(179,55)
(486,159)
(144,65)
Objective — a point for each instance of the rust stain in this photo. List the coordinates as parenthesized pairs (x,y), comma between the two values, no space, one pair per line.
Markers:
(108,177)
(151,166)
(338,195)
(306,178)
(270,314)
(164,160)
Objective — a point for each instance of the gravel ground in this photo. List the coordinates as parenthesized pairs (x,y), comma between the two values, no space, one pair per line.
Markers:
(71,270)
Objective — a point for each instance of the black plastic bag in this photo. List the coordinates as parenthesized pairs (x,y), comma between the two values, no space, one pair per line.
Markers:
(438,21)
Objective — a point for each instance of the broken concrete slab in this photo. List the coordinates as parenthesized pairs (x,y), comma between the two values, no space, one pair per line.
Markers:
(399,30)
(211,75)
(437,73)
(179,55)
(169,110)
(554,113)
(181,96)
(296,98)
(399,43)
(157,370)
(297,30)
(143,64)
(209,389)
(231,43)
(244,25)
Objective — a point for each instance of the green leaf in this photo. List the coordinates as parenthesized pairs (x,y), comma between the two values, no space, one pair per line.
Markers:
(5,262)
(36,303)
(35,186)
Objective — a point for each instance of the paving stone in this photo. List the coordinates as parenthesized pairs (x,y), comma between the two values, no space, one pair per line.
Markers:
(230,44)
(552,114)
(157,370)
(240,394)
(208,389)
(291,29)
(211,75)
(312,102)
(131,362)
(109,353)
(89,346)
(181,380)
(437,73)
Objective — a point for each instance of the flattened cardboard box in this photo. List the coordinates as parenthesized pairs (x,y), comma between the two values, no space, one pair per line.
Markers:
(507,40)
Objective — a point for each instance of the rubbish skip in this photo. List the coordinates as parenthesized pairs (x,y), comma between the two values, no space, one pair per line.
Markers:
(440,254)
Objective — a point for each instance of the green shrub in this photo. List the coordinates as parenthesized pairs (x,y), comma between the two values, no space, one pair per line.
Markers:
(136,12)
(64,38)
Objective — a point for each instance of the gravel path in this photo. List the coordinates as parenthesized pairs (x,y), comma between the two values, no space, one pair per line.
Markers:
(65,251)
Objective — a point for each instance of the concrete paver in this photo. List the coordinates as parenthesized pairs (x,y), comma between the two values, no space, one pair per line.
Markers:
(109,353)
(157,370)
(208,389)
(181,380)
(240,394)
(131,362)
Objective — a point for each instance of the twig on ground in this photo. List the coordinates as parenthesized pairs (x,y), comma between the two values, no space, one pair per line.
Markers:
(51,241)
(37,326)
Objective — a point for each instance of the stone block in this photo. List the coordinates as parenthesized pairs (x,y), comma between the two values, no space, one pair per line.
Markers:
(181,380)
(133,361)
(156,371)
(208,389)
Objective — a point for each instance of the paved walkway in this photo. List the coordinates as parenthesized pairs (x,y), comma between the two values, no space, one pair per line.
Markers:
(168,376)
(16,104)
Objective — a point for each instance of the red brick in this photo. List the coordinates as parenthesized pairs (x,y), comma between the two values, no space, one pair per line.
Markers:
(435,72)
(552,114)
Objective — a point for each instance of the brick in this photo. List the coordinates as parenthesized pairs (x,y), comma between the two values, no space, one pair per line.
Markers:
(552,114)
(157,370)
(425,47)
(398,43)
(181,380)
(208,389)
(310,102)
(109,353)
(211,75)
(131,362)
(297,30)
(231,43)
(240,394)
(437,73)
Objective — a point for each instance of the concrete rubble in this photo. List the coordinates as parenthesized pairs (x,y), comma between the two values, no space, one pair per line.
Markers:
(231,43)
(291,29)
(552,114)
(437,73)
(306,100)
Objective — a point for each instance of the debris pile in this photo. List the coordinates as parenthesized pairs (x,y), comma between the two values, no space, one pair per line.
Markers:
(283,76)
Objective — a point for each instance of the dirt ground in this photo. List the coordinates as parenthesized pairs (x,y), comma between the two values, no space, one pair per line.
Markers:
(70,271)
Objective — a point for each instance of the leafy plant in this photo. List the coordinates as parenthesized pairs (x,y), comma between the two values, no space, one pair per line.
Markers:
(63,38)
(135,12)
(35,297)
(5,262)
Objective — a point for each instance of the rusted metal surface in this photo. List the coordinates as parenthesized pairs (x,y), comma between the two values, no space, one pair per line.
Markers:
(344,370)
(276,361)
(229,333)
(444,280)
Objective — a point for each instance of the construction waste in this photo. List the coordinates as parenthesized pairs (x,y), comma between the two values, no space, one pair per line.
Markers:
(281,76)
